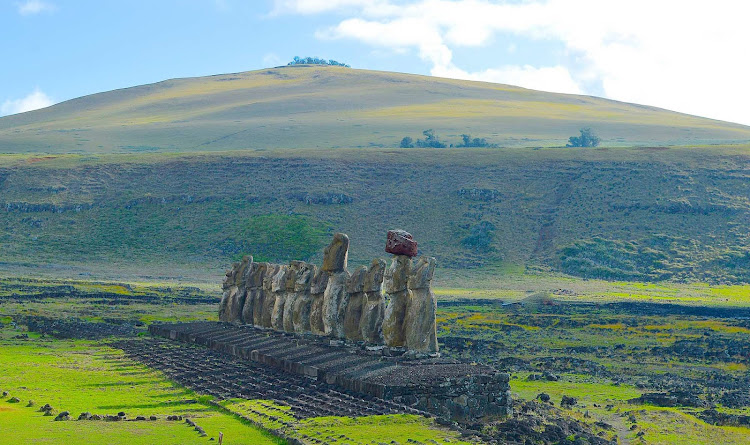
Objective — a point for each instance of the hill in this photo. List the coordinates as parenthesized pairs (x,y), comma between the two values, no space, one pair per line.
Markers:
(644,214)
(333,107)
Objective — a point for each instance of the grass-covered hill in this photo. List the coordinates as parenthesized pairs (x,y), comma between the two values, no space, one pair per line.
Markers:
(332,107)
(628,213)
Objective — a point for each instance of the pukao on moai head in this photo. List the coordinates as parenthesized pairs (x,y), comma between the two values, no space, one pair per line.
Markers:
(355,289)
(269,297)
(334,299)
(303,299)
(317,291)
(420,322)
(373,310)
(403,247)
(279,288)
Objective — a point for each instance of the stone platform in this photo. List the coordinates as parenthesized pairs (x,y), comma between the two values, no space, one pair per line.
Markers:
(444,387)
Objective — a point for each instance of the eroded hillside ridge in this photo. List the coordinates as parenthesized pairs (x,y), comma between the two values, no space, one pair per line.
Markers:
(645,214)
(330,301)
(334,107)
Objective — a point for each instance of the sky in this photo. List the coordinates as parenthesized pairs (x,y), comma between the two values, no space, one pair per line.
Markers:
(691,56)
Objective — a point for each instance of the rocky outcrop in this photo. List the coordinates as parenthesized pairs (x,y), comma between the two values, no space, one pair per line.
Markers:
(420,330)
(396,279)
(373,309)
(300,298)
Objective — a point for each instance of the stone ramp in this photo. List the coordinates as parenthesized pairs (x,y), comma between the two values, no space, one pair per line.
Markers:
(444,387)
(223,376)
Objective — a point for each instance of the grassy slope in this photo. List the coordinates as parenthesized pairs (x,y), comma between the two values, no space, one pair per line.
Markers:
(330,107)
(680,213)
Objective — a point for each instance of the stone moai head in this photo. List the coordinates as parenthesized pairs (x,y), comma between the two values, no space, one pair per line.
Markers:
(247,268)
(421,273)
(239,274)
(304,276)
(291,277)
(319,281)
(271,271)
(279,280)
(356,282)
(257,272)
(374,277)
(397,275)
(336,254)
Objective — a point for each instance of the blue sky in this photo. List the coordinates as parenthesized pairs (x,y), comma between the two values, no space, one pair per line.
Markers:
(684,55)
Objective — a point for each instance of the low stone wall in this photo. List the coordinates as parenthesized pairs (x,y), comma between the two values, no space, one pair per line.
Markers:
(443,387)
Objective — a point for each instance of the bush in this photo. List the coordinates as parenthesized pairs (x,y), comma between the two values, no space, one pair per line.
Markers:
(431,140)
(407,142)
(315,61)
(476,142)
(586,139)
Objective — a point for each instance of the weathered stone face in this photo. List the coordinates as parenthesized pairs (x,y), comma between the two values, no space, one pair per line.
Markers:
(269,299)
(397,275)
(356,282)
(400,242)
(253,282)
(295,268)
(334,304)
(260,293)
(374,276)
(303,301)
(396,279)
(336,254)
(420,326)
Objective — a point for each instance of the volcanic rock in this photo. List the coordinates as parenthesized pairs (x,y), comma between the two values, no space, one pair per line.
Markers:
(302,300)
(373,310)
(336,254)
(317,290)
(353,312)
(419,323)
(269,299)
(279,288)
(400,242)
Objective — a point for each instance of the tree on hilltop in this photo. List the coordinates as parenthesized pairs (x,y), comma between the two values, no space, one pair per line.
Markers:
(315,61)
(586,139)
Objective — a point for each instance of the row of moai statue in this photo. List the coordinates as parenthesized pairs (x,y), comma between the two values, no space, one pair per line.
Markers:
(329,301)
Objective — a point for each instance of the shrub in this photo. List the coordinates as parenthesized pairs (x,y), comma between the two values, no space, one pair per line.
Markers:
(586,139)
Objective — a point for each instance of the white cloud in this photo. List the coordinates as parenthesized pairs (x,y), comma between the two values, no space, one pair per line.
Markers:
(31,7)
(35,100)
(685,55)
(271,59)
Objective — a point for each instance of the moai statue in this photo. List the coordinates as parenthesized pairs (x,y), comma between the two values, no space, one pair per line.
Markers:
(291,295)
(303,299)
(395,282)
(353,312)
(231,309)
(317,291)
(371,324)
(334,298)
(228,289)
(260,294)
(403,247)
(279,288)
(254,298)
(269,297)
(420,324)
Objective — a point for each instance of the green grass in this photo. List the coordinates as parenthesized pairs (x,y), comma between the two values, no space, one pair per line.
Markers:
(79,376)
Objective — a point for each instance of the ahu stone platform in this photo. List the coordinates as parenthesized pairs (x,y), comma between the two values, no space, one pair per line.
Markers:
(444,387)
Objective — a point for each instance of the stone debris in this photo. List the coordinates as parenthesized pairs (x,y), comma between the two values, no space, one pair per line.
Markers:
(328,301)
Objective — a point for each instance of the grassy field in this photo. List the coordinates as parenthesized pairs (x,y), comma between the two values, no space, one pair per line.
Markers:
(678,214)
(332,107)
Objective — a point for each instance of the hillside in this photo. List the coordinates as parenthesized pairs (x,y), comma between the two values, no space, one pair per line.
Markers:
(644,214)
(333,107)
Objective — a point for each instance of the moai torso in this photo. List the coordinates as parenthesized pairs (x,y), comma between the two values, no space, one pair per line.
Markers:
(228,288)
(279,288)
(373,310)
(317,290)
(254,293)
(420,325)
(303,299)
(356,296)
(395,283)
(269,297)
(291,295)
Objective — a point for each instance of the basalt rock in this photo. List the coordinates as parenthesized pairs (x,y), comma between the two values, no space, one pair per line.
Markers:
(334,304)
(419,323)
(279,288)
(317,291)
(303,300)
(396,279)
(373,310)
(400,242)
(353,310)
